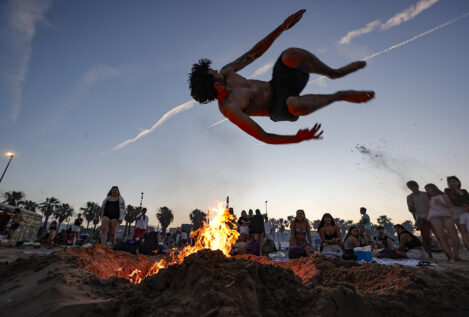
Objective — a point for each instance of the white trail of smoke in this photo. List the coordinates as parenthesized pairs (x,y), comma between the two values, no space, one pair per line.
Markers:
(418,36)
(185,106)
(404,42)
(216,123)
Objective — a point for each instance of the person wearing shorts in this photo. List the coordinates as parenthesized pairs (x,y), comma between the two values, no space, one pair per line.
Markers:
(418,204)
(240,99)
(458,197)
(141,226)
(112,213)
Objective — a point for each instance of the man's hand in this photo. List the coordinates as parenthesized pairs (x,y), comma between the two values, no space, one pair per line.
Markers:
(293,19)
(307,134)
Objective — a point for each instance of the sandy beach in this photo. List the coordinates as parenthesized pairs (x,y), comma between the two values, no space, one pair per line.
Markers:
(79,282)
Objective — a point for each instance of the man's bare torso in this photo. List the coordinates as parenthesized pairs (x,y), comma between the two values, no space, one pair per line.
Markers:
(253,97)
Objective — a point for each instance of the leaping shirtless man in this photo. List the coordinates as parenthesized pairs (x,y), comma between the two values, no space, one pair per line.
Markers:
(240,98)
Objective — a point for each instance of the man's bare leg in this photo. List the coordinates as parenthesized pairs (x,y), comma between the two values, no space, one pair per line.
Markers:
(307,62)
(306,104)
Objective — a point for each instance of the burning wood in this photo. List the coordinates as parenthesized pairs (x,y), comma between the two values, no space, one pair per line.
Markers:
(217,234)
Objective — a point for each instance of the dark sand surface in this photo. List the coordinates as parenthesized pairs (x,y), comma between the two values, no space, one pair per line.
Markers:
(88,282)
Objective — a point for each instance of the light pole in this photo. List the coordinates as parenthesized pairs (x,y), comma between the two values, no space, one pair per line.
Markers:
(141,200)
(11,155)
(266,207)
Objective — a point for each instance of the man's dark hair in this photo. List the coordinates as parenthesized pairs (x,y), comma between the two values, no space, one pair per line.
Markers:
(201,82)
(454,178)
(412,183)
(362,209)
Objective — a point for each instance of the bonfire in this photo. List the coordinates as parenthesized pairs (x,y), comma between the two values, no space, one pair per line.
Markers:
(217,233)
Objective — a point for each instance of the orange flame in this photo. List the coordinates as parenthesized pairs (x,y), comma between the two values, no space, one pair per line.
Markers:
(218,234)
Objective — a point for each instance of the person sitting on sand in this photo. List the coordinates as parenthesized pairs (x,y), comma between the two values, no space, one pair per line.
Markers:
(301,241)
(439,215)
(409,245)
(239,98)
(329,232)
(243,227)
(61,237)
(361,236)
(351,241)
(382,240)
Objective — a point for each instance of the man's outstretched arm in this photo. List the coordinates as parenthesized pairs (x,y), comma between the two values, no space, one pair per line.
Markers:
(245,123)
(264,44)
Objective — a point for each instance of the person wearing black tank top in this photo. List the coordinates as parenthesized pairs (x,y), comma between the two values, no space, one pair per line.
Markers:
(409,245)
(112,213)
(329,232)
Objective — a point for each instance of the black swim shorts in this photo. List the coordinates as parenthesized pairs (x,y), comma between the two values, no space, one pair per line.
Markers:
(286,82)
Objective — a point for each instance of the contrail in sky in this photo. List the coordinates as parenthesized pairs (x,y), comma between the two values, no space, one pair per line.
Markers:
(185,106)
(418,36)
(216,123)
(404,42)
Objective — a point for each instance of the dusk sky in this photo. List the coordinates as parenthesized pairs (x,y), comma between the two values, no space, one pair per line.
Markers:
(80,78)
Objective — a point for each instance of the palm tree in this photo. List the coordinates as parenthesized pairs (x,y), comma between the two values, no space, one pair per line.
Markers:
(12,198)
(165,217)
(28,205)
(62,213)
(131,213)
(315,223)
(89,212)
(198,217)
(47,208)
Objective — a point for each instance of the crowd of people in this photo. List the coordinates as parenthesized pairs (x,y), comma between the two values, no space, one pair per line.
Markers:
(445,213)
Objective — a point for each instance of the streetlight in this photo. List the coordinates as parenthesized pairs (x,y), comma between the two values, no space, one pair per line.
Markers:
(11,155)
(266,207)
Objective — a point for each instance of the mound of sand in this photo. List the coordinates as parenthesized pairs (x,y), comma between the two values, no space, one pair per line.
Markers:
(209,284)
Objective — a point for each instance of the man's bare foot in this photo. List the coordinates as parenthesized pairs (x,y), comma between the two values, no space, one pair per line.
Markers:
(356,96)
(347,69)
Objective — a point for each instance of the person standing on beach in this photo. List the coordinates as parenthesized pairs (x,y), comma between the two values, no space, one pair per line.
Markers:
(418,205)
(141,225)
(464,218)
(267,227)
(459,197)
(4,220)
(239,98)
(439,215)
(76,228)
(258,230)
(365,221)
(112,213)
(243,223)
(16,221)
